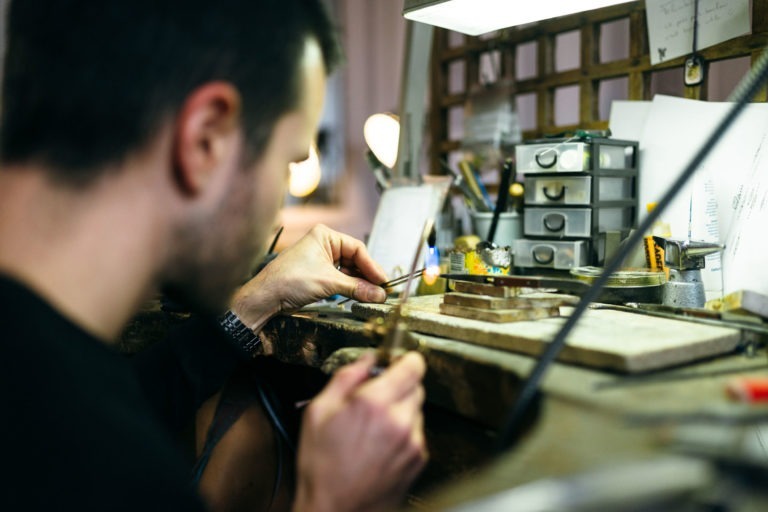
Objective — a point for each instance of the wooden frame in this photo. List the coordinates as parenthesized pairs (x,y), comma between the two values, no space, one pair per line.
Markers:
(636,68)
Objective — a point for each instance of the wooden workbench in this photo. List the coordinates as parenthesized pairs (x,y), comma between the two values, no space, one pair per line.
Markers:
(586,419)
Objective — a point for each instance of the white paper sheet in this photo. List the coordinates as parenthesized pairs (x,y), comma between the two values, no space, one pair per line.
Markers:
(736,172)
(670,25)
(399,223)
(627,120)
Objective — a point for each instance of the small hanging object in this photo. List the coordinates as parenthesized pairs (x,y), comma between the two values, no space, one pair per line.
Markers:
(695,64)
(694,70)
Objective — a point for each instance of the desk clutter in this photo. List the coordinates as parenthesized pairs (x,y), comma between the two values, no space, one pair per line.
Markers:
(562,203)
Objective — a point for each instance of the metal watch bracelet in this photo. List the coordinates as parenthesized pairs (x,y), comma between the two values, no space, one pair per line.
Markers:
(240,333)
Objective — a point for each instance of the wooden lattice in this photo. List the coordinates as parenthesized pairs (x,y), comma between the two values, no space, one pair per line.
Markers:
(636,68)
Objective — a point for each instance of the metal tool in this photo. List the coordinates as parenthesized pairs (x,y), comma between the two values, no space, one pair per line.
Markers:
(685,259)
(394,329)
(473,201)
(392,283)
(469,177)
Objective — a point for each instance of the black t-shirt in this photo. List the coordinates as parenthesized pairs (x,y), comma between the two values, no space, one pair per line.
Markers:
(83,427)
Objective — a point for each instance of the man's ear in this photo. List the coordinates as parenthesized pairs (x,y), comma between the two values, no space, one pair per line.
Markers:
(205,132)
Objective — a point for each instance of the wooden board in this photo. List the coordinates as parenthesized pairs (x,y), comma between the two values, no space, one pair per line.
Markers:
(499,315)
(621,341)
(470,300)
(485,289)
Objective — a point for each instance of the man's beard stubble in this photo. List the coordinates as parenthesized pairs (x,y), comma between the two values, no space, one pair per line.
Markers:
(215,255)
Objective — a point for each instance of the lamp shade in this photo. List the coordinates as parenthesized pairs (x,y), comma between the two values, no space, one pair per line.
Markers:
(382,134)
(474,17)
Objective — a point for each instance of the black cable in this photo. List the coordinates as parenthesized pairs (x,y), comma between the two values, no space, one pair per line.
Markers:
(234,400)
(744,92)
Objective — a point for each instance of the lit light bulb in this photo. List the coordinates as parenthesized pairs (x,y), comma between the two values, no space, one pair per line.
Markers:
(305,175)
(382,134)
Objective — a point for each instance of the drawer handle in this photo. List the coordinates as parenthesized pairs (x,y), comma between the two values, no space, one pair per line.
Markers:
(543,254)
(545,164)
(554,197)
(554,222)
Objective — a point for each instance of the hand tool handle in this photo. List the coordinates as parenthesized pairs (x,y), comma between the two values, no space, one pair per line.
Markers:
(503,197)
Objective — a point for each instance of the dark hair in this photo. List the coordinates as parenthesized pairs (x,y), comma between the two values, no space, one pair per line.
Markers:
(88,81)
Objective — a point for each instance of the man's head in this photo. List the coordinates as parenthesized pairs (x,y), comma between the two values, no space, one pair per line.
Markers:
(87,81)
(90,83)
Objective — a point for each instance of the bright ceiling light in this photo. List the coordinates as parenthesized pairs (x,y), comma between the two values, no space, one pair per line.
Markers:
(474,17)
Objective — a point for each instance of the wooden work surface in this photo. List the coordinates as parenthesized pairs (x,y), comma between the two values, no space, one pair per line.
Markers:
(589,418)
(616,340)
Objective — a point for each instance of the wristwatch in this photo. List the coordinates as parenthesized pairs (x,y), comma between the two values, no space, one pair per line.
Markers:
(240,333)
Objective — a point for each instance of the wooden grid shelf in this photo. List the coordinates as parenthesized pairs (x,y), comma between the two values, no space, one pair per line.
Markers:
(502,48)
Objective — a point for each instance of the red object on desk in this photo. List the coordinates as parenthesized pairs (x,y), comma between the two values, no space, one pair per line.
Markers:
(748,389)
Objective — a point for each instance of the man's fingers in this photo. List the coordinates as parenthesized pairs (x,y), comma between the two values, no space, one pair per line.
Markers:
(399,379)
(351,251)
(409,453)
(367,292)
(347,379)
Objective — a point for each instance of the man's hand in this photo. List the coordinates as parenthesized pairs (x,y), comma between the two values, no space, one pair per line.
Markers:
(362,440)
(323,263)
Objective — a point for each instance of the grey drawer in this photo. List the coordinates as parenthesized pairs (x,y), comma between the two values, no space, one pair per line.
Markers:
(570,157)
(550,253)
(575,222)
(576,190)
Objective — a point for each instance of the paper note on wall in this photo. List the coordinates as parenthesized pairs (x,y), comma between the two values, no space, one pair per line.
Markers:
(670,25)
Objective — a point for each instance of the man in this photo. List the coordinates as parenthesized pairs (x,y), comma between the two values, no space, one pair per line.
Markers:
(145,147)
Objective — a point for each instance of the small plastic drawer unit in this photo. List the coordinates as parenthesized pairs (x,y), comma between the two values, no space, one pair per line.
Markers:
(577,191)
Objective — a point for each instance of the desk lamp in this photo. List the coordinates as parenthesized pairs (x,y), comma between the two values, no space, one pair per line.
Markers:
(497,14)
(382,133)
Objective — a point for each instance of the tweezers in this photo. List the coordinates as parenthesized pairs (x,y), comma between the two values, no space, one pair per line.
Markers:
(392,282)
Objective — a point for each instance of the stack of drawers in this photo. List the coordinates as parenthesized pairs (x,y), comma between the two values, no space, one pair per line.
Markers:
(577,192)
